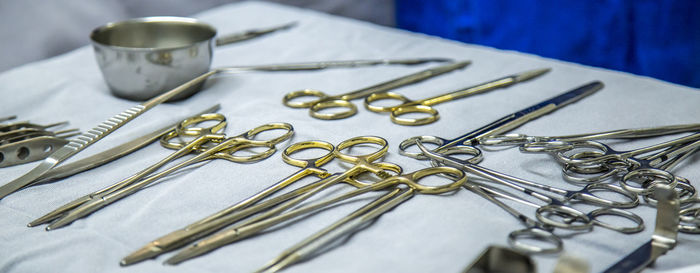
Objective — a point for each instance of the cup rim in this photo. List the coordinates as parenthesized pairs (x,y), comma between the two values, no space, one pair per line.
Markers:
(152,19)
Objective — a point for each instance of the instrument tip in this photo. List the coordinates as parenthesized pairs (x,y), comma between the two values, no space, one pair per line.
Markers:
(182,256)
(527,75)
(142,254)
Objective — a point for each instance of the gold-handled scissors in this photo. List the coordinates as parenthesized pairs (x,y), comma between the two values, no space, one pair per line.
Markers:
(361,164)
(208,145)
(225,217)
(312,244)
(424,106)
(324,102)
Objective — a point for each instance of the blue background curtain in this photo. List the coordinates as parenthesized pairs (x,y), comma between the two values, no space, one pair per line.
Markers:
(657,38)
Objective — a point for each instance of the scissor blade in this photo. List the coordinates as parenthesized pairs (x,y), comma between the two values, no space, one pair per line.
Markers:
(530,74)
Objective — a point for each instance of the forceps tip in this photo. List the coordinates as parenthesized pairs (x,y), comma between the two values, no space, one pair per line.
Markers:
(527,75)
(58,224)
(183,256)
(139,255)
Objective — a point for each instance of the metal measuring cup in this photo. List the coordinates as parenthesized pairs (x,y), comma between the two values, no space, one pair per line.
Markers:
(145,57)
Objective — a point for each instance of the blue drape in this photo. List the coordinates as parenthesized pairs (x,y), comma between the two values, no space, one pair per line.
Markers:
(657,38)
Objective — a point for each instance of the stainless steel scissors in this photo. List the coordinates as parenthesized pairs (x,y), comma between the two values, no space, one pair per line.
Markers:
(360,217)
(534,229)
(225,148)
(556,143)
(503,124)
(214,222)
(112,124)
(584,195)
(324,102)
(406,106)
(361,164)
(571,218)
(591,161)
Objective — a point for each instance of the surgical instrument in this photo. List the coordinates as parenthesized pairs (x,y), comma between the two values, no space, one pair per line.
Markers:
(112,154)
(225,149)
(110,125)
(361,164)
(664,237)
(180,237)
(542,229)
(352,222)
(250,34)
(424,106)
(505,123)
(591,161)
(530,143)
(342,101)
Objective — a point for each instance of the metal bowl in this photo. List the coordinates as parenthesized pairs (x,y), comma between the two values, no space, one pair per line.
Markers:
(144,57)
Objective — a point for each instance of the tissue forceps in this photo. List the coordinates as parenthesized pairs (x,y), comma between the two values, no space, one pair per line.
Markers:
(323,101)
(424,106)
(245,230)
(226,149)
(110,125)
(503,124)
(368,212)
(555,143)
(203,227)
(361,164)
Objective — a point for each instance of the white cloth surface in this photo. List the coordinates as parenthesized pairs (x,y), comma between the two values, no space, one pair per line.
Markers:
(426,234)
